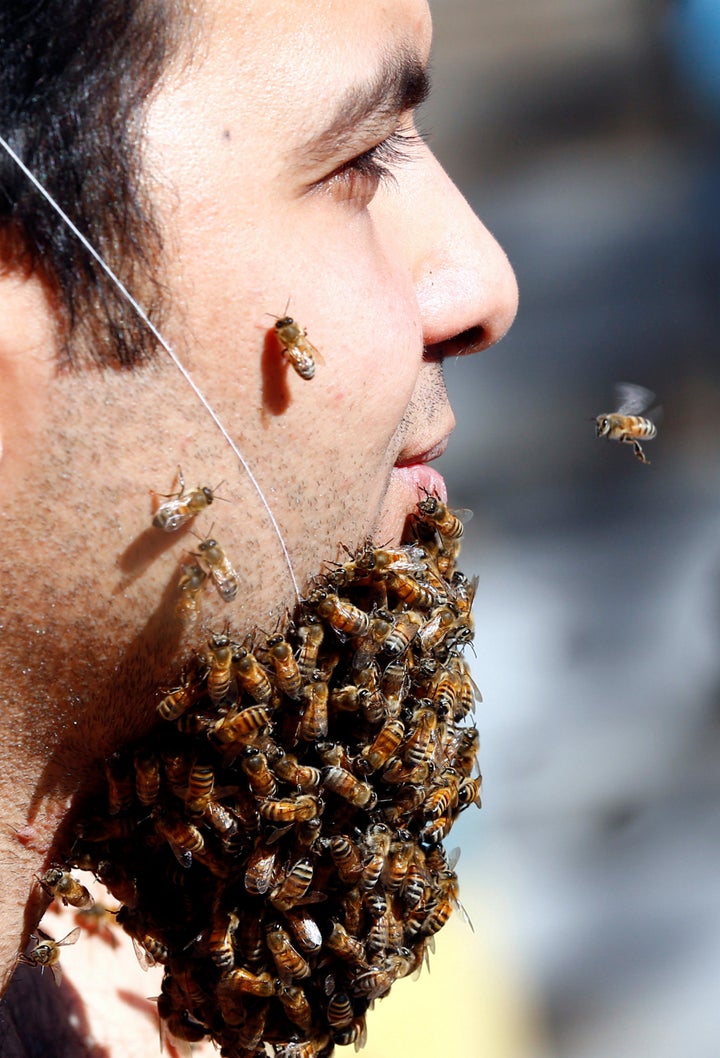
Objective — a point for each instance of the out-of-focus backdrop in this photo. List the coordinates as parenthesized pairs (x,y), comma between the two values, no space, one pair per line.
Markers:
(586,133)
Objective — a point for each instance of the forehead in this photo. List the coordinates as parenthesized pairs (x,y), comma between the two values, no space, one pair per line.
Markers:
(295,51)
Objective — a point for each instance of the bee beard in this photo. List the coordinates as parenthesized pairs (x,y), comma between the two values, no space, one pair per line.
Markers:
(277,841)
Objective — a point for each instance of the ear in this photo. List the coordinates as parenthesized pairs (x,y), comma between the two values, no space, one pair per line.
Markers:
(28,359)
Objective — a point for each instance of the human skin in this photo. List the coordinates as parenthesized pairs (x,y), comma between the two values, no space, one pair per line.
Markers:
(388,276)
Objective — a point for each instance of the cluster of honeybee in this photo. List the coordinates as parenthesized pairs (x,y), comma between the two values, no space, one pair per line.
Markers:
(277,843)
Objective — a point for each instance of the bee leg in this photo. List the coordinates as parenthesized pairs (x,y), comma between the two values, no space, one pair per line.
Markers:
(639,453)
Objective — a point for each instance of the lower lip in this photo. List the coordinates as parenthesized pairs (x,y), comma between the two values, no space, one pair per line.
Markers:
(419,479)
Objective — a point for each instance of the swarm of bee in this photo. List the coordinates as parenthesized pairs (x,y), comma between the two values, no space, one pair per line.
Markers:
(277,842)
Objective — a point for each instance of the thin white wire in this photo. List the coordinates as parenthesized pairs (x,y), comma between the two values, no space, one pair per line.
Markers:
(173,356)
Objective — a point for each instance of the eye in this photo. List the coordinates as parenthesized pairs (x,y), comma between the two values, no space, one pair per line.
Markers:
(359,179)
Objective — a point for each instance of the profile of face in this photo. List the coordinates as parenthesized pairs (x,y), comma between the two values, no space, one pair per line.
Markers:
(287,178)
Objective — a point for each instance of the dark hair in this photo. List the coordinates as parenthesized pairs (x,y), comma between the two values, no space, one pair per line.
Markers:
(73,77)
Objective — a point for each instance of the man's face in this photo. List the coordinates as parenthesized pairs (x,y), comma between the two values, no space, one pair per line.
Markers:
(287,180)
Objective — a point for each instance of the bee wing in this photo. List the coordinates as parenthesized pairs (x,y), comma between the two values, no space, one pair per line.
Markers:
(144,958)
(632,399)
(71,937)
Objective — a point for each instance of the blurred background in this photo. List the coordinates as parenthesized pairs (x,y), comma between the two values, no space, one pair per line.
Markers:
(586,134)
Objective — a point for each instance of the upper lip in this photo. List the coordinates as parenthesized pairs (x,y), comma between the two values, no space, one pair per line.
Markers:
(406,459)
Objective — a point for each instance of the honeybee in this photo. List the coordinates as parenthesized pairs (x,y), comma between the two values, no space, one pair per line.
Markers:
(290,963)
(47,953)
(120,784)
(407,625)
(340,1012)
(252,676)
(201,780)
(345,618)
(345,946)
(261,779)
(410,591)
(287,671)
(220,942)
(242,725)
(191,583)
(311,634)
(305,928)
(293,887)
(224,576)
(296,1005)
(242,980)
(418,746)
(181,507)
(177,701)
(297,1049)
(291,810)
(219,677)
(346,857)
(147,776)
(432,633)
(259,870)
(345,785)
(301,353)
(398,860)
(183,838)
(448,523)
(626,424)
(63,886)
(304,776)
(314,720)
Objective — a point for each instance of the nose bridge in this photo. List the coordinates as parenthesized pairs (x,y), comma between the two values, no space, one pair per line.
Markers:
(463,279)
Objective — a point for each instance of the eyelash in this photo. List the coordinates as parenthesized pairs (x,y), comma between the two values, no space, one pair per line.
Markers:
(377,165)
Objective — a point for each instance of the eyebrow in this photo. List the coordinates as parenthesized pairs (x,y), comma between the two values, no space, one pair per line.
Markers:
(401,83)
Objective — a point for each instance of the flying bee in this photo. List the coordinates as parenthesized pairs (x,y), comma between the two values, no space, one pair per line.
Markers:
(626,424)
(343,783)
(300,352)
(182,506)
(63,886)
(224,576)
(293,887)
(47,953)
(345,618)
(290,963)
(287,671)
(314,720)
(311,634)
(192,581)
(448,523)
(252,676)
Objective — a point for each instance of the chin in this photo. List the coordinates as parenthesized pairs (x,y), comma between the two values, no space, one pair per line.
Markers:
(277,842)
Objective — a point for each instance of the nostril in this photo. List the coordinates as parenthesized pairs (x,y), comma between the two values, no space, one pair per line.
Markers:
(471,340)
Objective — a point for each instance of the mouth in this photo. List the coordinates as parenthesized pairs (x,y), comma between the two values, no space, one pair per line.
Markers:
(415,478)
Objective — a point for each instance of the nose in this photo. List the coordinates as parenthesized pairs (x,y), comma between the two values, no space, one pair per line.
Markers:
(465,285)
